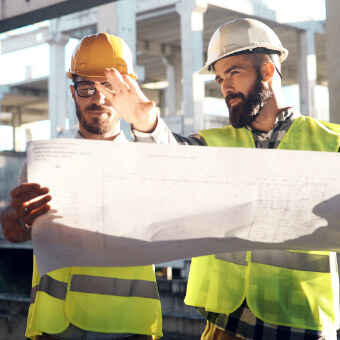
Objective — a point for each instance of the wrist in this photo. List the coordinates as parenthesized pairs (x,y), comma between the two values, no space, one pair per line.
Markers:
(146,126)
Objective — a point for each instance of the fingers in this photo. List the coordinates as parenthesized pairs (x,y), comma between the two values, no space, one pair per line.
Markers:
(116,80)
(122,84)
(104,90)
(25,193)
(132,85)
(24,188)
(29,208)
(31,215)
(27,203)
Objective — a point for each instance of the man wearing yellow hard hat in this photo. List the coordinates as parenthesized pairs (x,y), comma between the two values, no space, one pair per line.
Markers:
(270,294)
(97,302)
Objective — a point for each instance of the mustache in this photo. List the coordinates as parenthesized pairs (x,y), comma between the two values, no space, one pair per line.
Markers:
(95,107)
(231,96)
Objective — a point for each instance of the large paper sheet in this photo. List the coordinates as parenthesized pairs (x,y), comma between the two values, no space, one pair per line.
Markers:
(136,204)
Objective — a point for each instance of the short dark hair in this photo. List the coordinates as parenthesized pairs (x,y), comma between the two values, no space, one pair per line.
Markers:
(74,76)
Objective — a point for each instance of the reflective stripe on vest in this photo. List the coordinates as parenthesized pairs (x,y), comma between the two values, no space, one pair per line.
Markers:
(281,258)
(50,286)
(96,285)
(113,286)
(292,260)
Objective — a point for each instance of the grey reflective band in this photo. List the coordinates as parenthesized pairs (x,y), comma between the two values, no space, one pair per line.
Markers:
(292,260)
(96,285)
(113,286)
(50,286)
(236,258)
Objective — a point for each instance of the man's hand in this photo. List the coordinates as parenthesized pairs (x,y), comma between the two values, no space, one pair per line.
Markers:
(129,101)
(29,201)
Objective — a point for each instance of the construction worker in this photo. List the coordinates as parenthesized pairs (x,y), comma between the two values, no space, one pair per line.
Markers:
(97,302)
(271,294)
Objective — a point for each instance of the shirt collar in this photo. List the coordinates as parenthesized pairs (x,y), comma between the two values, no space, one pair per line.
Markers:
(289,114)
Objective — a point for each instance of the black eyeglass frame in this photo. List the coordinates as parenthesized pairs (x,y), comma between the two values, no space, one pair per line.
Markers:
(88,82)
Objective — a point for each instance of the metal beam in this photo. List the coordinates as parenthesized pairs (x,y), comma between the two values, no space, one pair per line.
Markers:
(25,40)
(29,92)
(26,111)
(20,13)
(152,48)
(254,8)
(148,6)
(23,91)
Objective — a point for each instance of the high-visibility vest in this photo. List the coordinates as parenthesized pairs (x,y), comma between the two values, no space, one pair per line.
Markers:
(289,288)
(97,299)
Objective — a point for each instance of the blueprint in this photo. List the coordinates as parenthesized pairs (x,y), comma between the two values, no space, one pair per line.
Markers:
(136,204)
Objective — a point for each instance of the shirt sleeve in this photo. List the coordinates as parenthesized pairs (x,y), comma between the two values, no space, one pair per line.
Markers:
(163,135)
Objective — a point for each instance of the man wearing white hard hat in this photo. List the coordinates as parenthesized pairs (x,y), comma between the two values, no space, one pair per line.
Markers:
(258,294)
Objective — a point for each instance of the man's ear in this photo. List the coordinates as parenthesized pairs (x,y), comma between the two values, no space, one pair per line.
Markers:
(267,71)
(73,92)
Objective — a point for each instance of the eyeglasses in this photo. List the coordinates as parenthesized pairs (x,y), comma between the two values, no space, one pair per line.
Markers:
(87,88)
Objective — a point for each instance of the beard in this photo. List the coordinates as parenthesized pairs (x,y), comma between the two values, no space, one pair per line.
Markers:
(98,125)
(248,108)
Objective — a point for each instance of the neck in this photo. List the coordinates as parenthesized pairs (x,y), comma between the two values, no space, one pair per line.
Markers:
(265,121)
(111,135)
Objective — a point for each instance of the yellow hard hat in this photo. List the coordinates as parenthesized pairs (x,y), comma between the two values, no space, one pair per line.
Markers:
(95,53)
(241,35)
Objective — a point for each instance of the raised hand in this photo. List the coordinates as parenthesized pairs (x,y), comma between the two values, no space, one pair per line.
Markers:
(129,101)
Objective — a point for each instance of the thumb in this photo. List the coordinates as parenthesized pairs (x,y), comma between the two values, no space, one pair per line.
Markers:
(148,106)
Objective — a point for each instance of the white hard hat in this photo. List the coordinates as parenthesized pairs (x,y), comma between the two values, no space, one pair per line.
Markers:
(241,35)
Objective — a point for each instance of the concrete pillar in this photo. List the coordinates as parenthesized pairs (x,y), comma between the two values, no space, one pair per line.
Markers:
(170,91)
(191,18)
(57,82)
(3,89)
(119,18)
(16,123)
(177,59)
(333,53)
(307,72)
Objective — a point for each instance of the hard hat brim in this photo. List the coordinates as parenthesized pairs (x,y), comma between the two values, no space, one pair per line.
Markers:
(283,55)
(70,75)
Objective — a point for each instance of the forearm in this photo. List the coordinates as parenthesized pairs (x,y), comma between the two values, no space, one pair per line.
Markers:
(12,228)
(163,135)
(160,135)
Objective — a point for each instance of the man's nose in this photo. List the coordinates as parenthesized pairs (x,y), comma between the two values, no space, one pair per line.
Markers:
(97,97)
(226,87)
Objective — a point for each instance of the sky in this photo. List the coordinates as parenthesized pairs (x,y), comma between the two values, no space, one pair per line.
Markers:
(298,10)
(15,66)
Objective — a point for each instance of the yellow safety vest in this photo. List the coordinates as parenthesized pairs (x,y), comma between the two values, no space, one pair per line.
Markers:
(97,299)
(295,289)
